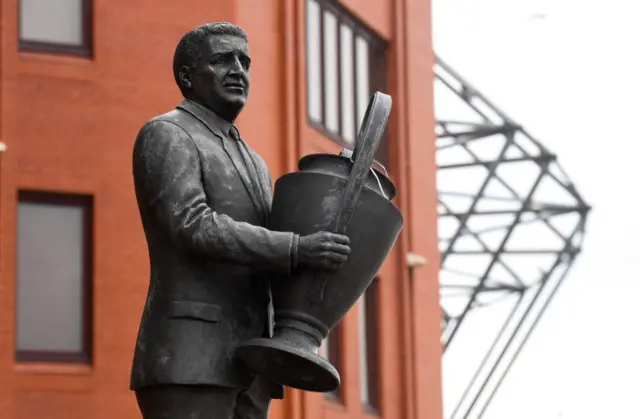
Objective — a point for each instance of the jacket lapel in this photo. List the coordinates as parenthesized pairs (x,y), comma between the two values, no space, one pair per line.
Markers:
(208,118)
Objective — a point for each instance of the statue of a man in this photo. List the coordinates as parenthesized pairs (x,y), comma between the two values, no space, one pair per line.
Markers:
(204,197)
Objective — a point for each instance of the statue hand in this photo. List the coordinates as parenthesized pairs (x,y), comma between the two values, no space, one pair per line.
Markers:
(323,250)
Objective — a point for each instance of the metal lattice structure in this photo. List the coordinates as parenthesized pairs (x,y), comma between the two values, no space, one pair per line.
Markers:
(511,224)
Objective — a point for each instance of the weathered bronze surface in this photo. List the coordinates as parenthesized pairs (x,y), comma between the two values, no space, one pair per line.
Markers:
(333,193)
(204,197)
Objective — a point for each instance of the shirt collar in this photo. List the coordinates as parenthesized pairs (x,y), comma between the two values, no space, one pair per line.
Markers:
(223,124)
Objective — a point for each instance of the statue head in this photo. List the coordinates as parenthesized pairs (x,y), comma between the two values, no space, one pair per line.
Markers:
(211,66)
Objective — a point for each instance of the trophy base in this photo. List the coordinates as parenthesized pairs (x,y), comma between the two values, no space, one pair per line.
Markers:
(285,363)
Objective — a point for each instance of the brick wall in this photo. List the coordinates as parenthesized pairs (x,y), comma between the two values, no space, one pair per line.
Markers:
(69,124)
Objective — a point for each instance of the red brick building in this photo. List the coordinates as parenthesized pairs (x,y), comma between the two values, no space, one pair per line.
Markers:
(77,80)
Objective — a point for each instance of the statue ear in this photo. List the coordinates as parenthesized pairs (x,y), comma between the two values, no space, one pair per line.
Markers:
(184,77)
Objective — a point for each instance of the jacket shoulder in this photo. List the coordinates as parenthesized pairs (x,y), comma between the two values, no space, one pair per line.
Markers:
(169,124)
(173,117)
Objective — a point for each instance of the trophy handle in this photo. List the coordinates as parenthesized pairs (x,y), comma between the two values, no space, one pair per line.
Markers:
(369,137)
(371,132)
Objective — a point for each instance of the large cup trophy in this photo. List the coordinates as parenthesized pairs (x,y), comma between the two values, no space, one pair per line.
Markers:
(340,193)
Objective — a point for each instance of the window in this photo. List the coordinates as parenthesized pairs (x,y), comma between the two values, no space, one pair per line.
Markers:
(368,327)
(54,268)
(345,66)
(331,351)
(58,26)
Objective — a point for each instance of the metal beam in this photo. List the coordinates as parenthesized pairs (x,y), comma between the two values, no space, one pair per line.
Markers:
(454,132)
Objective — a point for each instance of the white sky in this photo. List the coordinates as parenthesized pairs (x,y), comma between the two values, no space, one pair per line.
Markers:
(568,70)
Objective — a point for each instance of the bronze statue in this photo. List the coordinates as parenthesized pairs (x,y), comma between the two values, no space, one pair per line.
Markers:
(204,198)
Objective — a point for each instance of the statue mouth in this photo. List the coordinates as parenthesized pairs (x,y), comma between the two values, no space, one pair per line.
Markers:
(235,87)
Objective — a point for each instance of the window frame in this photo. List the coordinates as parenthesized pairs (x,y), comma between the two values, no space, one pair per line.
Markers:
(378,81)
(85,49)
(334,356)
(371,324)
(85,203)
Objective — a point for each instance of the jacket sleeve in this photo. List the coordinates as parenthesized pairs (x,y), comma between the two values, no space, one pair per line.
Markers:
(167,176)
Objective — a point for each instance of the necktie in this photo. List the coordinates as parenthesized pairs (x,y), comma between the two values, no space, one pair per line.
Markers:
(248,161)
(234,133)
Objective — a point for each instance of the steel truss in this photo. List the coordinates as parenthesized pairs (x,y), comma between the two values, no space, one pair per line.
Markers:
(511,224)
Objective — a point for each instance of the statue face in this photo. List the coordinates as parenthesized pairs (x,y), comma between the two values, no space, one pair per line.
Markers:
(220,81)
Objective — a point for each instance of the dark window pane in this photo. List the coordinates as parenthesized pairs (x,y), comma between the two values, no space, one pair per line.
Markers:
(345,66)
(369,376)
(362,77)
(52,281)
(330,72)
(347,85)
(55,21)
(314,61)
(331,350)
(55,25)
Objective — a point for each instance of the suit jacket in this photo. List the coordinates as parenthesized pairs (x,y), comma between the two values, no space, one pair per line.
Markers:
(209,251)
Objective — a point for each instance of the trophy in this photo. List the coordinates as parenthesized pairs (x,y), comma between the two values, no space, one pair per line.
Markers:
(345,194)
